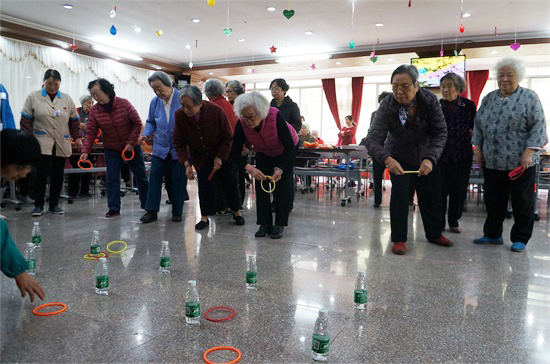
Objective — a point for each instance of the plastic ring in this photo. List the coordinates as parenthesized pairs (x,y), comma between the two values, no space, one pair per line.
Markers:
(262,185)
(85,161)
(37,312)
(124,155)
(412,172)
(210,310)
(117,242)
(218,348)
(146,147)
(96,256)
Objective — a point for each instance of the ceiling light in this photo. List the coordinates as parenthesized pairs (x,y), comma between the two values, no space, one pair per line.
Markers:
(118,53)
(304,58)
(494,52)
(271,8)
(137,29)
(196,20)
(249,70)
(64,45)
(309,32)
(290,66)
(466,15)
(188,46)
(390,59)
(67,6)
(379,24)
(156,67)
(210,73)
(241,40)
(338,63)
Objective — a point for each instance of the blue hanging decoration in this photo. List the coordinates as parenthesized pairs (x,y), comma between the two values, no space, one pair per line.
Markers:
(113,30)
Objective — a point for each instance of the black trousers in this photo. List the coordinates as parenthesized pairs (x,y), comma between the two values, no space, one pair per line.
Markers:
(53,167)
(454,187)
(497,188)
(428,189)
(207,191)
(377,176)
(78,180)
(282,196)
(242,184)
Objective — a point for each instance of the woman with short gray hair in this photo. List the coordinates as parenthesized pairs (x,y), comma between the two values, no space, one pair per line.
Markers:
(275,142)
(233,89)
(202,138)
(214,90)
(456,160)
(509,132)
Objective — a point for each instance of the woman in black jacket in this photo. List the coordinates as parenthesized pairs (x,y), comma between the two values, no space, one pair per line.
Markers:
(416,133)
(288,108)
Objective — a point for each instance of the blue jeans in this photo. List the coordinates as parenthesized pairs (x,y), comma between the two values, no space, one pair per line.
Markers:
(179,184)
(113,160)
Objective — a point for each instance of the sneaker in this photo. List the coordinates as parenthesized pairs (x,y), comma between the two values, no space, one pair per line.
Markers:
(455,229)
(176,218)
(263,231)
(399,248)
(487,240)
(149,216)
(239,220)
(37,211)
(201,225)
(441,240)
(56,210)
(518,247)
(112,213)
(277,232)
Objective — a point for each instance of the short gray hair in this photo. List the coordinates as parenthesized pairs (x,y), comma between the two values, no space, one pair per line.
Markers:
(236,86)
(458,81)
(406,69)
(252,99)
(85,98)
(518,65)
(193,92)
(162,76)
(213,88)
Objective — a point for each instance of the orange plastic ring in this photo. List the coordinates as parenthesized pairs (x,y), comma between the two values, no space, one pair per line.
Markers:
(146,147)
(128,159)
(38,313)
(218,348)
(85,161)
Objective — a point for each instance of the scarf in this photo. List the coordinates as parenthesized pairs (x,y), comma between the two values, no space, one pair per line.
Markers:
(404,111)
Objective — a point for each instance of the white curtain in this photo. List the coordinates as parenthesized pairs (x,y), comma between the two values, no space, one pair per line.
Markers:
(22,67)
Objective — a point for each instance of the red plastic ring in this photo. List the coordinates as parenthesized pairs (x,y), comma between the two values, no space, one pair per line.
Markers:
(128,159)
(146,147)
(85,161)
(210,310)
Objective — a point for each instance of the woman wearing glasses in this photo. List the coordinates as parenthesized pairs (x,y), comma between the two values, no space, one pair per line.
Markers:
(288,108)
(413,123)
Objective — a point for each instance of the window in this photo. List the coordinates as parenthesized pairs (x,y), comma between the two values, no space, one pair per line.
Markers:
(541,85)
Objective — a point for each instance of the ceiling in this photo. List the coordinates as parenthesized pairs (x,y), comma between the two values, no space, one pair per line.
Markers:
(425,23)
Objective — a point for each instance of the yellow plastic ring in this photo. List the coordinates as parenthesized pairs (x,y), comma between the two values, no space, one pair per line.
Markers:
(262,184)
(116,242)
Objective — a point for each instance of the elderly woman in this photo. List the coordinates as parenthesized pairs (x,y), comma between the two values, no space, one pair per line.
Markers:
(347,134)
(214,90)
(51,116)
(413,123)
(120,125)
(233,89)
(160,123)
(456,160)
(288,108)
(509,130)
(275,142)
(202,138)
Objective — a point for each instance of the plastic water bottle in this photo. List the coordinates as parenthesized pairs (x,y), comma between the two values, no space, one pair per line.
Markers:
(164,258)
(360,294)
(30,258)
(251,271)
(102,277)
(321,337)
(36,234)
(95,245)
(192,305)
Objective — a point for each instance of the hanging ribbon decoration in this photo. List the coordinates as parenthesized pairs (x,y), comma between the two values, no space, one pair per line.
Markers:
(441,53)
(227,31)
(515,46)
(496,32)
(112,15)
(461,15)
(456,39)
(351,44)
(73,46)
(373,56)
(159,32)
(410,3)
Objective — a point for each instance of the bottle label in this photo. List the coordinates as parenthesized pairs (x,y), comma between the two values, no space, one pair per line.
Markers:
(360,296)
(165,262)
(320,344)
(37,239)
(102,282)
(94,249)
(251,277)
(31,264)
(192,309)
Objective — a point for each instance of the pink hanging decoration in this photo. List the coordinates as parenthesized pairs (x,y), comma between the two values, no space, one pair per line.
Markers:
(441,53)
(410,3)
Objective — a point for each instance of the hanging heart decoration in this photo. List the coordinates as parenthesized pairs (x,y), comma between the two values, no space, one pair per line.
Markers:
(288,13)
(456,53)
(211,2)
(112,14)
(351,44)
(73,47)
(461,28)
(515,46)
(159,33)
(374,59)
(112,30)
(228,31)
(441,53)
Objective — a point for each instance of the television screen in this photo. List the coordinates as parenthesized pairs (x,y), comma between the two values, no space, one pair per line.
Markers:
(432,69)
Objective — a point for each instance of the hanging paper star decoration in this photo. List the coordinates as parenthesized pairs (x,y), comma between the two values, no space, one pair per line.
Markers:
(313,67)
(273,49)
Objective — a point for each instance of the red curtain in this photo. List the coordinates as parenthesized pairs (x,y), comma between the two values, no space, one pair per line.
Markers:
(476,81)
(329,87)
(356,98)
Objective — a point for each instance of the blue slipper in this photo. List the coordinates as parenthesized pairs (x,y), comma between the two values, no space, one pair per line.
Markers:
(487,240)
(518,247)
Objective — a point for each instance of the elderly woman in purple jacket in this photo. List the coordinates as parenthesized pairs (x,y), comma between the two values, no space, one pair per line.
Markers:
(274,141)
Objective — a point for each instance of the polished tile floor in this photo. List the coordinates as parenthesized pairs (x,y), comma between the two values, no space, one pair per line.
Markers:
(466,304)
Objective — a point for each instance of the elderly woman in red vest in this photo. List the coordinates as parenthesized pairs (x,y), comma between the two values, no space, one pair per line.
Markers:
(274,141)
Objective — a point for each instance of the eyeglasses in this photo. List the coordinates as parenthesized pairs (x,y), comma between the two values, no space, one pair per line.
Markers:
(276,88)
(406,87)
(229,90)
(250,117)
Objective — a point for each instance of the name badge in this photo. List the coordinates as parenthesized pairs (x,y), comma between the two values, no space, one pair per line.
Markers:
(57,113)
(3,96)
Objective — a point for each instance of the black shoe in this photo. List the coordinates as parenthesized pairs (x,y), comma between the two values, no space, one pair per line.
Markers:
(56,210)
(85,194)
(168,202)
(201,225)
(73,197)
(239,220)
(112,213)
(149,216)
(376,205)
(263,231)
(176,218)
(277,232)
